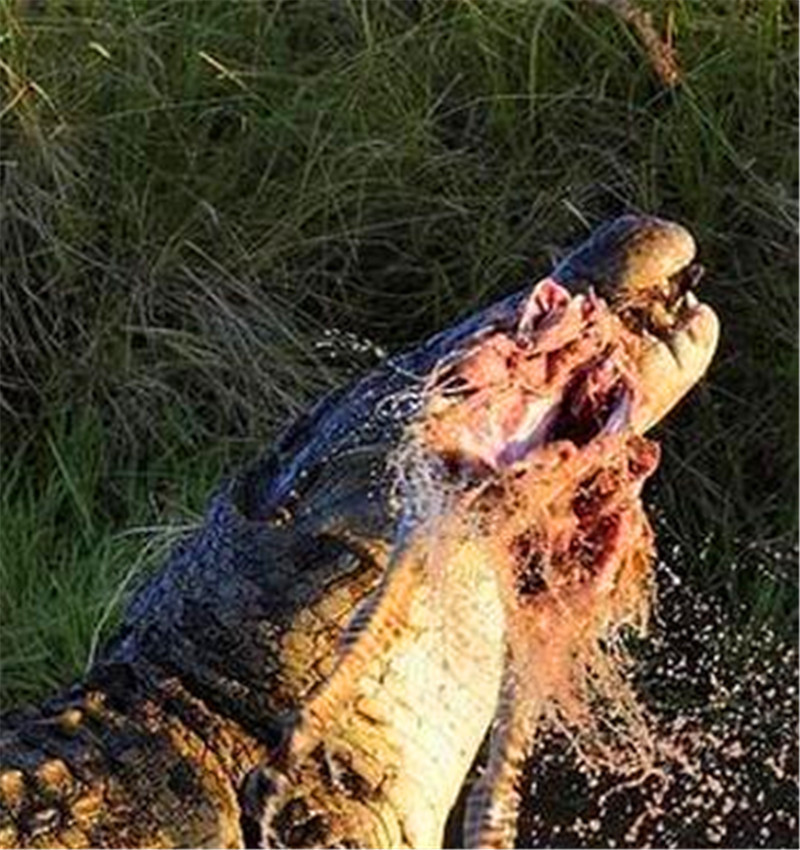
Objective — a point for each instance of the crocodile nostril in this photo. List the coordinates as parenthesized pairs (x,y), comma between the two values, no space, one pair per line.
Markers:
(686,279)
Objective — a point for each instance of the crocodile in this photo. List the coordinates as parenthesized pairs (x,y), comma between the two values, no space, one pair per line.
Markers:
(319,664)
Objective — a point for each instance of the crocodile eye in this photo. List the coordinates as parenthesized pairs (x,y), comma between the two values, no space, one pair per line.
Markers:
(250,492)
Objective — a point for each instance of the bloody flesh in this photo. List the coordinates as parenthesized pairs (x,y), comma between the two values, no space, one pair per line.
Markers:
(535,424)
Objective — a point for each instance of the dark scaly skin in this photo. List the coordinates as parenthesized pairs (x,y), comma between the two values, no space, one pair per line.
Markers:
(222,648)
(152,749)
(105,766)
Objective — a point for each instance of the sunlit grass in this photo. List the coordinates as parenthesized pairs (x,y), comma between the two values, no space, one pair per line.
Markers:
(193,191)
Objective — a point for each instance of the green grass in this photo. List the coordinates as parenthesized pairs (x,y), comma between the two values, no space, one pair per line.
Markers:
(193,191)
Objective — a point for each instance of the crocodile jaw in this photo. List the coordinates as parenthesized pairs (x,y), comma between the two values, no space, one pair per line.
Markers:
(437,695)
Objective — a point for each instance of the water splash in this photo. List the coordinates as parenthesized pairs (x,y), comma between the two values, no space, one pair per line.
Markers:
(722,704)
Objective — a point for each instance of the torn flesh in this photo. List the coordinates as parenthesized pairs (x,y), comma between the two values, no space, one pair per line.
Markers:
(536,426)
(538,431)
(571,369)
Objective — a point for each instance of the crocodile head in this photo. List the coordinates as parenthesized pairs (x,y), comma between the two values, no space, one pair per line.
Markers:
(519,534)
(538,427)
(613,339)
